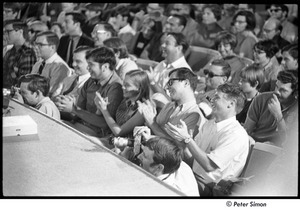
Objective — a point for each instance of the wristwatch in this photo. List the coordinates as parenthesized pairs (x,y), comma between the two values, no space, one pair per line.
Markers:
(188,140)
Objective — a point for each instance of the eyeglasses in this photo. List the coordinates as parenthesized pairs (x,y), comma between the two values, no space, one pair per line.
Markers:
(99,32)
(7,11)
(32,31)
(268,30)
(275,10)
(239,22)
(41,44)
(171,81)
(258,51)
(8,31)
(211,74)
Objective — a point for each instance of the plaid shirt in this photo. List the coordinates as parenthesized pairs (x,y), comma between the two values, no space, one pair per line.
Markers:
(17,63)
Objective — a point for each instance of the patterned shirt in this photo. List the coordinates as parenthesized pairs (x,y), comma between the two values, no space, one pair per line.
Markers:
(17,62)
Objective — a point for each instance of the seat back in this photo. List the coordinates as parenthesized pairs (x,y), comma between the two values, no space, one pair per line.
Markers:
(145,64)
(261,157)
(198,57)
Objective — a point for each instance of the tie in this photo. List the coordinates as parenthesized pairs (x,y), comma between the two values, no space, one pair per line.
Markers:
(70,52)
(75,82)
(42,67)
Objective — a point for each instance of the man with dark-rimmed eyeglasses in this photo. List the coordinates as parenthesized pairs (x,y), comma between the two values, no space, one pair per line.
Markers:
(20,59)
(181,86)
(217,73)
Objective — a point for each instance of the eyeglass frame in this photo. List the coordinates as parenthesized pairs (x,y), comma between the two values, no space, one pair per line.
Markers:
(8,31)
(171,81)
(32,31)
(211,74)
(41,44)
(275,10)
(267,31)
(258,51)
(99,32)
(240,22)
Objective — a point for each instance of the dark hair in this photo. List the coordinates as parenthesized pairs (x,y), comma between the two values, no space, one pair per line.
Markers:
(36,82)
(77,18)
(226,38)
(51,37)
(180,40)
(118,45)
(253,74)
(290,76)
(250,19)
(166,152)
(140,80)
(124,12)
(283,7)
(59,25)
(181,18)
(215,9)
(185,73)
(82,48)
(16,7)
(292,49)
(103,55)
(17,24)
(225,66)
(268,46)
(95,6)
(108,27)
(234,92)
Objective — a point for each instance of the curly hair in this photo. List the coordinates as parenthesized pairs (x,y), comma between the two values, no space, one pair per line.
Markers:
(268,46)
(290,76)
(103,55)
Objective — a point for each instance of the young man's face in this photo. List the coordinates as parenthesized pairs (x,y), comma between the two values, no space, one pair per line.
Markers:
(288,62)
(146,158)
(9,14)
(99,35)
(220,104)
(283,91)
(11,35)
(30,98)
(276,12)
(214,77)
(80,64)
(95,69)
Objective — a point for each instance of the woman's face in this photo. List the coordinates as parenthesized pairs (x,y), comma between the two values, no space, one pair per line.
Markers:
(240,23)
(208,16)
(130,90)
(260,56)
(225,49)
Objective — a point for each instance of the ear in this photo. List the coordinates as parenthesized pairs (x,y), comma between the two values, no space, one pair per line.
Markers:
(159,169)
(179,48)
(105,67)
(117,54)
(187,82)
(256,84)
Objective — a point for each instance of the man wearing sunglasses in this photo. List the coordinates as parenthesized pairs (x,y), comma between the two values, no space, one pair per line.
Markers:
(280,12)
(20,59)
(217,73)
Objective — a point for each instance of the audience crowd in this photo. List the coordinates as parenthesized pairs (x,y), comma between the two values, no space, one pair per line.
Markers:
(194,126)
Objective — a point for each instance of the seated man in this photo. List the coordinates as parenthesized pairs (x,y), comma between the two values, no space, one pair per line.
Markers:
(51,65)
(290,57)
(221,147)
(69,88)
(34,90)
(218,73)
(183,105)
(273,114)
(163,159)
(173,49)
(104,79)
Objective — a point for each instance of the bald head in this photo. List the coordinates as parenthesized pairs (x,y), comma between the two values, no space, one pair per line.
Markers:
(271,28)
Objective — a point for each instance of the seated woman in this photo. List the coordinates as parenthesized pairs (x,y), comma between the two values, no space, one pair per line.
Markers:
(264,56)
(252,77)
(124,63)
(207,30)
(136,87)
(244,25)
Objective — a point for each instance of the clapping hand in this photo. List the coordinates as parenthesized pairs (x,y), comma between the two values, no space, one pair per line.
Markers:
(179,132)
(101,102)
(144,131)
(147,110)
(65,103)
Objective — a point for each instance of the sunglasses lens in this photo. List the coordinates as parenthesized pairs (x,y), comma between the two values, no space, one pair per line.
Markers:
(206,71)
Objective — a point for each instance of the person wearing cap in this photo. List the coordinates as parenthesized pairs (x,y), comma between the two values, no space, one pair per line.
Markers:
(93,14)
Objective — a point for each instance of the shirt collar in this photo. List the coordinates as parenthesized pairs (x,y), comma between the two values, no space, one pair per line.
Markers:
(83,77)
(184,106)
(177,63)
(45,99)
(224,123)
(52,58)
